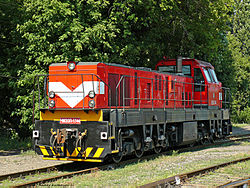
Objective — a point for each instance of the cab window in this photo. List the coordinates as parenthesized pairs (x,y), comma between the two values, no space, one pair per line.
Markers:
(214,75)
(198,80)
(186,69)
(198,77)
(209,79)
(170,68)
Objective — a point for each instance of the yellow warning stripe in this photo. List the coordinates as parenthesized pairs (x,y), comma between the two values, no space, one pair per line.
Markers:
(75,153)
(87,152)
(44,150)
(70,159)
(98,153)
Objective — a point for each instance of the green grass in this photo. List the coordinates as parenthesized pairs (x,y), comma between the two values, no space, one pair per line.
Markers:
(145,172)
(8,144)
(138,173)
(223,175)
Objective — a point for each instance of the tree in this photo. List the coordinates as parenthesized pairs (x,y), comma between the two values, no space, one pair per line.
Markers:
(132,32)
(10,15)
(239,45)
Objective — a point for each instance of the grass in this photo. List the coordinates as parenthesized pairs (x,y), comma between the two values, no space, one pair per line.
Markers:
(139,173)
(147,171)
(8,144)
(11,182)
(223,175)
(241,125)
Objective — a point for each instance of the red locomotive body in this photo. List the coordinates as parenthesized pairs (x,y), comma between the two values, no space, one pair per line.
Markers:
(94,110)
(72,90)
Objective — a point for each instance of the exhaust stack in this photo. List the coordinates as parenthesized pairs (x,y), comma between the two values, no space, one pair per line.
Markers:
(179,64)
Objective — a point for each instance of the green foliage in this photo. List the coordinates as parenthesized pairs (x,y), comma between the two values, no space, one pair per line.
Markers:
(11,141)
(9,58)
(132,32)
(239,45)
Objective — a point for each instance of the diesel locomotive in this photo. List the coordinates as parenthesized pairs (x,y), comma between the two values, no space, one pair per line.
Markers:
(93,111)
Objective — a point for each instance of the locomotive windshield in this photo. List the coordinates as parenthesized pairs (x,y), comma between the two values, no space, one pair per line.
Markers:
(209,79)
(214,75)
(210,75)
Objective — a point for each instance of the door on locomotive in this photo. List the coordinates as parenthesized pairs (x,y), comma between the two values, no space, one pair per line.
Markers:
(207,88)
(214,88)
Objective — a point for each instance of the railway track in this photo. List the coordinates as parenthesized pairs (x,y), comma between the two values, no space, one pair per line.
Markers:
(180,178)
(33,171)
(93,167)
(239,183)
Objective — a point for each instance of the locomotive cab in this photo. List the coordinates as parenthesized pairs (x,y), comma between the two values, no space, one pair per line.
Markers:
(207,90)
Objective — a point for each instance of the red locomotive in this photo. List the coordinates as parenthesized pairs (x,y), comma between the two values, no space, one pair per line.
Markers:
(90,111)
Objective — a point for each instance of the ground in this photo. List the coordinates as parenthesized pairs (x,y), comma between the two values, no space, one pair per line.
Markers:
(11,162)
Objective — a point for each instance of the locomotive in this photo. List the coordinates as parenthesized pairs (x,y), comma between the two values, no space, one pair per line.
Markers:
(94,111)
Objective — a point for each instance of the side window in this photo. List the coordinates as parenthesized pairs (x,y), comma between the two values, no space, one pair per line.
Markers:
(170,68)
(186,70)
(199,80)
(198,77)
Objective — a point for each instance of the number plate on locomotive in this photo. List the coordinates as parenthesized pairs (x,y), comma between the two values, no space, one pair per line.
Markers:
(70,121)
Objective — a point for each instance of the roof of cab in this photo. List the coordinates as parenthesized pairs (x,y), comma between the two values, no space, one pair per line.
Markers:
(198,62)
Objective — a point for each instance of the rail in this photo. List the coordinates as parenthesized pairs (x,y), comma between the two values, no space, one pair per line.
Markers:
(108,166)
(177,179)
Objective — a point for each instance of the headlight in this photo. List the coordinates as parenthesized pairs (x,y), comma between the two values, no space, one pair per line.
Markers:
(91,94)
(71,66)
(51,103)
(35,134)
(51,94)
(91,103)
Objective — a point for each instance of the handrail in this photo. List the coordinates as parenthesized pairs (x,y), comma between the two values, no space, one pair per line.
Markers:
(152,99)
(46,76)
(188,99)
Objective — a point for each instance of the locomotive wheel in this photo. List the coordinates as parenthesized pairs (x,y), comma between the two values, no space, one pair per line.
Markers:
(157,150)
(118,157)
(139,153)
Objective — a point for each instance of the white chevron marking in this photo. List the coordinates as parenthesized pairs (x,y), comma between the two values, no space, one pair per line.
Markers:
(72,98)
